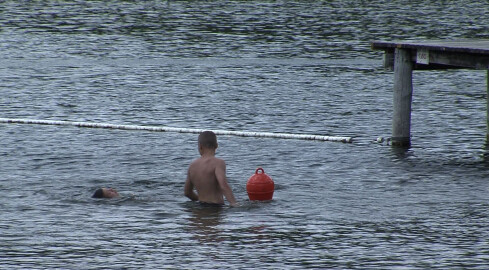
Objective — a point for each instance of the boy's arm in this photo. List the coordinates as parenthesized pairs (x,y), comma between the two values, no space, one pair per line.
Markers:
(223,183)
(189,190)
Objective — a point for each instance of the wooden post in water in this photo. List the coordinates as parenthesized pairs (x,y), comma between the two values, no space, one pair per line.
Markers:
(427,55)
(403,93)
(487,106)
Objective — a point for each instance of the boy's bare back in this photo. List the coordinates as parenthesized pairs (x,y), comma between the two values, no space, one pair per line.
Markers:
(207,175)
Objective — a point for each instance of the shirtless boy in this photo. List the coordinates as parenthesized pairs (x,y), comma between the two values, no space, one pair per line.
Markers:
(207,175)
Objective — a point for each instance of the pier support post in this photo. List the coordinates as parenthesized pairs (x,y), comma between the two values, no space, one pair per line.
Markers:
(403,93)
(487,107)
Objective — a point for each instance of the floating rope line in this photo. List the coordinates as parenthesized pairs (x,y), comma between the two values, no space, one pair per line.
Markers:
(180,130)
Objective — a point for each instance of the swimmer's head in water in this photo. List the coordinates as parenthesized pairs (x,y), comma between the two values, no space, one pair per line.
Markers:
(99,193)
(208,139)
(105,193)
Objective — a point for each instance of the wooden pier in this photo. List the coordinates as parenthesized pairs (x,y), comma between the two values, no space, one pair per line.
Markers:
(405,56)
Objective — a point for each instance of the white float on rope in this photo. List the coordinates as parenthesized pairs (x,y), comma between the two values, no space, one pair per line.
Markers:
(179,130)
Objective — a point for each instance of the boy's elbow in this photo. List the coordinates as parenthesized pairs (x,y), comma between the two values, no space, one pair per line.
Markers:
(191,195)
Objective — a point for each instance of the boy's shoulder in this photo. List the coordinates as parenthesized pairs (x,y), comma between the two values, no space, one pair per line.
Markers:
(212,159)
(216,159)
(209,161)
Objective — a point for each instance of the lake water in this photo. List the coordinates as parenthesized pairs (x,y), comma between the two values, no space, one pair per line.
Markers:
(266,66)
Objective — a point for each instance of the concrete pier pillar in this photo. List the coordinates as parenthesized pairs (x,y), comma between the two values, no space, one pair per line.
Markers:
(403,93)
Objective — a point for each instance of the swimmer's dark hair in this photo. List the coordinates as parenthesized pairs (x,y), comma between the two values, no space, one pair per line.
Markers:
(99,193)
(208,139)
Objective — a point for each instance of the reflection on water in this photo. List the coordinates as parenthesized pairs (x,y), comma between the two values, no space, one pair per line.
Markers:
(204,222)
(401,153)
(485,151)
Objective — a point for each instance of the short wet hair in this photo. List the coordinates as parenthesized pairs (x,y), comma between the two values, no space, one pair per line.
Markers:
(208,139)
(99,193)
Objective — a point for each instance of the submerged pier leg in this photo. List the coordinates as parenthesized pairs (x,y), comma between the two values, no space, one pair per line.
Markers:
(403,93)
(487,107)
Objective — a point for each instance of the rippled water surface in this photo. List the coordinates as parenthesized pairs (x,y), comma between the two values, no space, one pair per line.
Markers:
(267,66)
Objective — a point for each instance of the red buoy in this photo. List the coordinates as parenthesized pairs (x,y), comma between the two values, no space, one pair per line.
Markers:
(260,186)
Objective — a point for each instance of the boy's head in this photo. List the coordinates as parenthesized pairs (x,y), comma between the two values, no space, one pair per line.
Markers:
(208,139)
(99,193)
(105,193)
